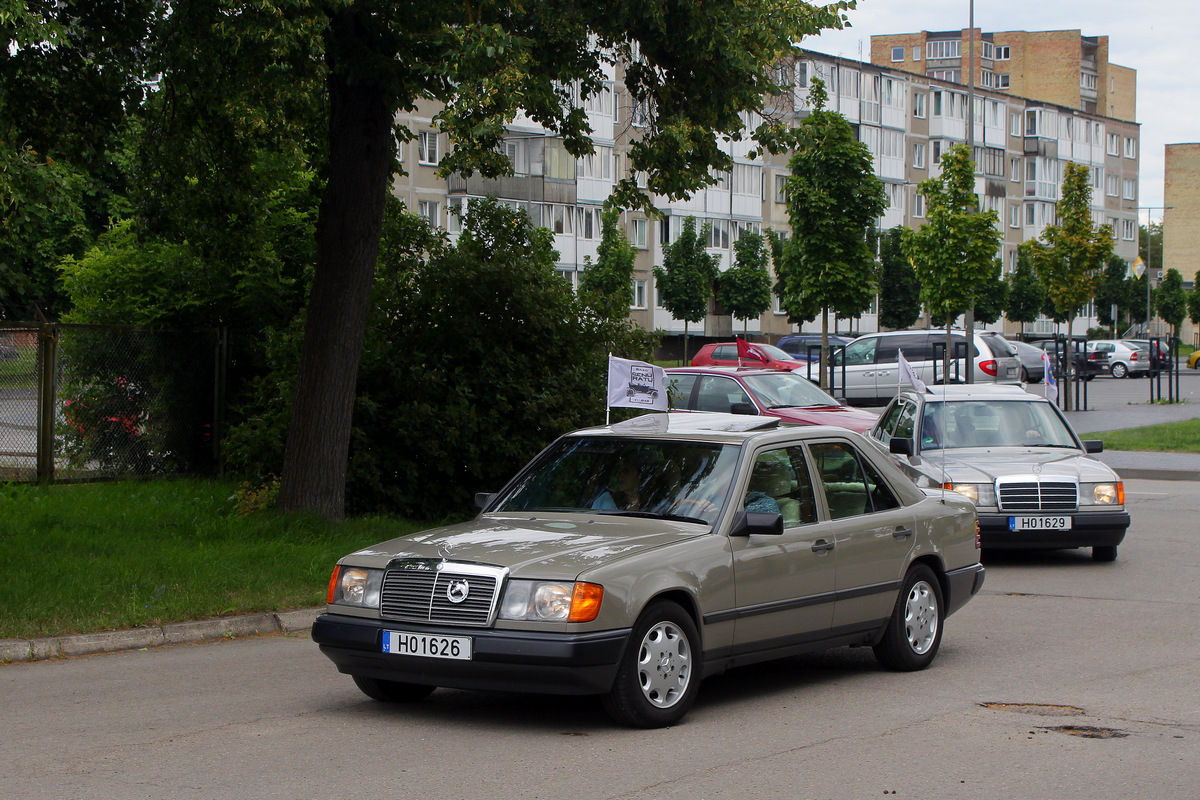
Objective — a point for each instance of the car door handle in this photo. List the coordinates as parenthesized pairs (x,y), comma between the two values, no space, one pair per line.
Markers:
(821,546)
(901,533)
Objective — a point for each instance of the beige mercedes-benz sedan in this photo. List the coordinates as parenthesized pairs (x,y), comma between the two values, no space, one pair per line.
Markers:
(632,561)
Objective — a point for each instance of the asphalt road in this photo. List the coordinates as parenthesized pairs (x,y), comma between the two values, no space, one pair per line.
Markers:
(1064,678)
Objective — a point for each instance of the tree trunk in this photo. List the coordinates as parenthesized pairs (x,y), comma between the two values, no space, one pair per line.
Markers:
(349,224)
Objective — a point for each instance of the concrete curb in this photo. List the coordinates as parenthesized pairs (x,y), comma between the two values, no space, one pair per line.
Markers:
(12,650)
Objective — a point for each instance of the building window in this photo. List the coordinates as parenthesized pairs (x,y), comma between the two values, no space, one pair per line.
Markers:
(951,75)
(780,191)
(1014,170)
(427,147)
(897,54)
(919,105)
(938,147)
(917,53)
(1130,147)
(987,79)
(1088,81)
(919,155)
(718,236)
(944,48)
(1003,80)
(639,294)
(1002,52)
(637,233)
(989,51)
(1129,230)
(1114,144)
(428,211)
(918,204)
(1110,185)
(455,208)
(1014,215)
(1129,189)
(589,222)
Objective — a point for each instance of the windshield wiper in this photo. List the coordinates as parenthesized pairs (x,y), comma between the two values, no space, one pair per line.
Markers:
(651,515)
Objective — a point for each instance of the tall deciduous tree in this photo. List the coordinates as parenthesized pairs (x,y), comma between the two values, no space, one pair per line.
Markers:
(993,296)
(608,283)
(833,200)
(1193,301)
(695,67)
(1113,291)
(954,252)
(1172,300)
(1025,294)
(685,280)
(745,288)
(900,291)
(1070,256)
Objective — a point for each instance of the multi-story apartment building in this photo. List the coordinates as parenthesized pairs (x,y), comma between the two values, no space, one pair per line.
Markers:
(1060,67)
(906,119)
(1181,236)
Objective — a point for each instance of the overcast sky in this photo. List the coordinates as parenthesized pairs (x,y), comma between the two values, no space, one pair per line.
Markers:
(1152,36)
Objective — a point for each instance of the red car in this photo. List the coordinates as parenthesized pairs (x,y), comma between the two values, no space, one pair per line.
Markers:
(725,354)
(766,392)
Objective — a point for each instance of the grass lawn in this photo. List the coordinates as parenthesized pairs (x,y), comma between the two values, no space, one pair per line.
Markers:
(91,557)
(1171,437)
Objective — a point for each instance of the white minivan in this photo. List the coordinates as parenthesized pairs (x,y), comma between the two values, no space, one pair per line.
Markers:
(872,375)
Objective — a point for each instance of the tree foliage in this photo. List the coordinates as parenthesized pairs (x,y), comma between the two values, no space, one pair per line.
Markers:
(954,252)
(745,288)
(477,354)
(833,199)
(1025,295)
(1172,300)
(608,283)
(685,279)
(993,298)
(900,291)
(1193,301)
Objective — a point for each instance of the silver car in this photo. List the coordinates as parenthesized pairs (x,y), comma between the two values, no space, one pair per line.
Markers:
(1015,456)
(634,560)
(869,367)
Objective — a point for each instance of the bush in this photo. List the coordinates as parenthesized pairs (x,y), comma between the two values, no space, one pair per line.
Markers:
(477,355)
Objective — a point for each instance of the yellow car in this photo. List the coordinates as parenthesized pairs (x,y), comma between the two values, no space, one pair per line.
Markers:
(1194,359)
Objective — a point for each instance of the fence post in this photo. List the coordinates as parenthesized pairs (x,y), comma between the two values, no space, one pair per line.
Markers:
(47,385)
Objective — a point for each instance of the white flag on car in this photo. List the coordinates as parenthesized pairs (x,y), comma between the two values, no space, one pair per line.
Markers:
(636,384)
(909,374)
(1048,374)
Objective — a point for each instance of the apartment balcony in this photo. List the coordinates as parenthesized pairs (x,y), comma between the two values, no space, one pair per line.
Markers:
(526,188)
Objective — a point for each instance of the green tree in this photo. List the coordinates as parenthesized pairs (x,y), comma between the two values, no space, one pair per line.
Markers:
(685,279)
(1172,300)
(954,252)
(1071,255)
(608,284)
(745,288)
(1025,295)
(900,304)
(833,200)
(993,298)
(1113,290)
(1193,301)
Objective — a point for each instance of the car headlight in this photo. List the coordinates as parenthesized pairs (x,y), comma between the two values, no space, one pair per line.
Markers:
(1103,494)
(551,601)
(355,586)
(981,494)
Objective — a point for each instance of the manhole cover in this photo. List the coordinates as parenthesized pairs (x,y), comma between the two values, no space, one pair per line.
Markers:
(1089,731)
(1041,709)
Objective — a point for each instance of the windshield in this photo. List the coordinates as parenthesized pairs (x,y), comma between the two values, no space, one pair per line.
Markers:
(958,424)
(783,389)
(637,477)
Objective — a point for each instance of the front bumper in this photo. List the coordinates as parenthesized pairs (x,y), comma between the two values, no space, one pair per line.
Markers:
(518,661)
(1088,529)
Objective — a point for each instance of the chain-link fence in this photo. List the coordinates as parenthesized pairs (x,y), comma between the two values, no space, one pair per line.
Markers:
(89,401)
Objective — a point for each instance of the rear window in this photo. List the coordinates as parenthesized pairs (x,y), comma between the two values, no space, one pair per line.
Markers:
(999,346)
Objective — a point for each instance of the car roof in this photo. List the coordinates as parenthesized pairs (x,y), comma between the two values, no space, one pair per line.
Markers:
(999,392)
(728,370)
(712,426)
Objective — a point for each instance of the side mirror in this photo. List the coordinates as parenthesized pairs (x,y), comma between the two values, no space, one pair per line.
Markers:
(743,408)
(754,523)
(902,447)
(1093,446)
(484,499)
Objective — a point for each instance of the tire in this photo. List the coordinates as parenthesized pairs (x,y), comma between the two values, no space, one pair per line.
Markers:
(659,672)
(914,633)
(1105,553)
(1119,370)
(392,691)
